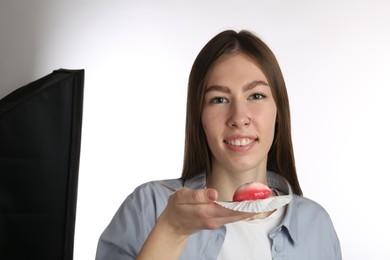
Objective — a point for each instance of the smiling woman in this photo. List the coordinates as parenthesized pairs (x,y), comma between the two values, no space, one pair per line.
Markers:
(237,131)
(238,118)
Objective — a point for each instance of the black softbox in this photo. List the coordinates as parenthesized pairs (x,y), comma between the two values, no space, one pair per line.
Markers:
(40,135)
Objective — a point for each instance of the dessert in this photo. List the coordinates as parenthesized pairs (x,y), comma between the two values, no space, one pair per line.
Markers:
(251,191)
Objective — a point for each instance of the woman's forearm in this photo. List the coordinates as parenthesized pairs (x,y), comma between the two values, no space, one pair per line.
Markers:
(163,243)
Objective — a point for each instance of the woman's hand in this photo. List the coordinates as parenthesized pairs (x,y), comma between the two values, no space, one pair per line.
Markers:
(187,212)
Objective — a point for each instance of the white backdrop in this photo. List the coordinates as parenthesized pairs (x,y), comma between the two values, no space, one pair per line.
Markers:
(137,56)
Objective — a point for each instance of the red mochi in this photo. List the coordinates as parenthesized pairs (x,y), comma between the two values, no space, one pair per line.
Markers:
(251,191)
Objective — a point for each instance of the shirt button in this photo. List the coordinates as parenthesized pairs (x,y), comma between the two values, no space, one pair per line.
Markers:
(277,249)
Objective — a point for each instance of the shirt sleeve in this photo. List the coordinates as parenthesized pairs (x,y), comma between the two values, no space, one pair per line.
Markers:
(124,236)
(337,246)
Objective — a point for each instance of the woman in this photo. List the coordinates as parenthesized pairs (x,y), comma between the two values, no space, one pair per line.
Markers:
(237,131)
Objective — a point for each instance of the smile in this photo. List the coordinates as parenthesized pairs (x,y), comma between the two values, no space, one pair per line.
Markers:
(240,141)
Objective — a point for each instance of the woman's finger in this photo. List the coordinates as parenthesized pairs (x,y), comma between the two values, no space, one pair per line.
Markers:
(199,196)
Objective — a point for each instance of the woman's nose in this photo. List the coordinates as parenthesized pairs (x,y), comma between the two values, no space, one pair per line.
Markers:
(239,117)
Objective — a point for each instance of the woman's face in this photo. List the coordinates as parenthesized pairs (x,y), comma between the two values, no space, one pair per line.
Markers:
(238,114)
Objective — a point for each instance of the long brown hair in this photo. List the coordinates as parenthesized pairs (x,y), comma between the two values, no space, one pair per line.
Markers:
(197,155)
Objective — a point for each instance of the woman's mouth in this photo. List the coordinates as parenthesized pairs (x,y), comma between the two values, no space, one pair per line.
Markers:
(240,141)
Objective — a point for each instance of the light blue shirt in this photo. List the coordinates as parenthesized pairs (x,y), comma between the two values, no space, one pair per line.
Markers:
(305,233)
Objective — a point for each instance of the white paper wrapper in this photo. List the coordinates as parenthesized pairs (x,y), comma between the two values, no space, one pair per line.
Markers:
(257,206)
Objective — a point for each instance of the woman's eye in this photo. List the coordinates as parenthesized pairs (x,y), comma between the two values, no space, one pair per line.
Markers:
(218,100)
(256,96)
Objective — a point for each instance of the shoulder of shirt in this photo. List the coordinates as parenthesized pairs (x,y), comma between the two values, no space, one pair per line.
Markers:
(309,206)
(168,186)
(303,213)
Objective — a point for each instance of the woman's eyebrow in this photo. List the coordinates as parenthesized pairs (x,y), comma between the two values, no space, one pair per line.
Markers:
(254,84)
(246,87)
(218,88)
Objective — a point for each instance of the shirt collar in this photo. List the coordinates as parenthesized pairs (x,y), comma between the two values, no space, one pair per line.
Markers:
(276,181)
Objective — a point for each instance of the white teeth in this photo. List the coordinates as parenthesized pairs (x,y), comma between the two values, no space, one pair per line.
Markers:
(240,142)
